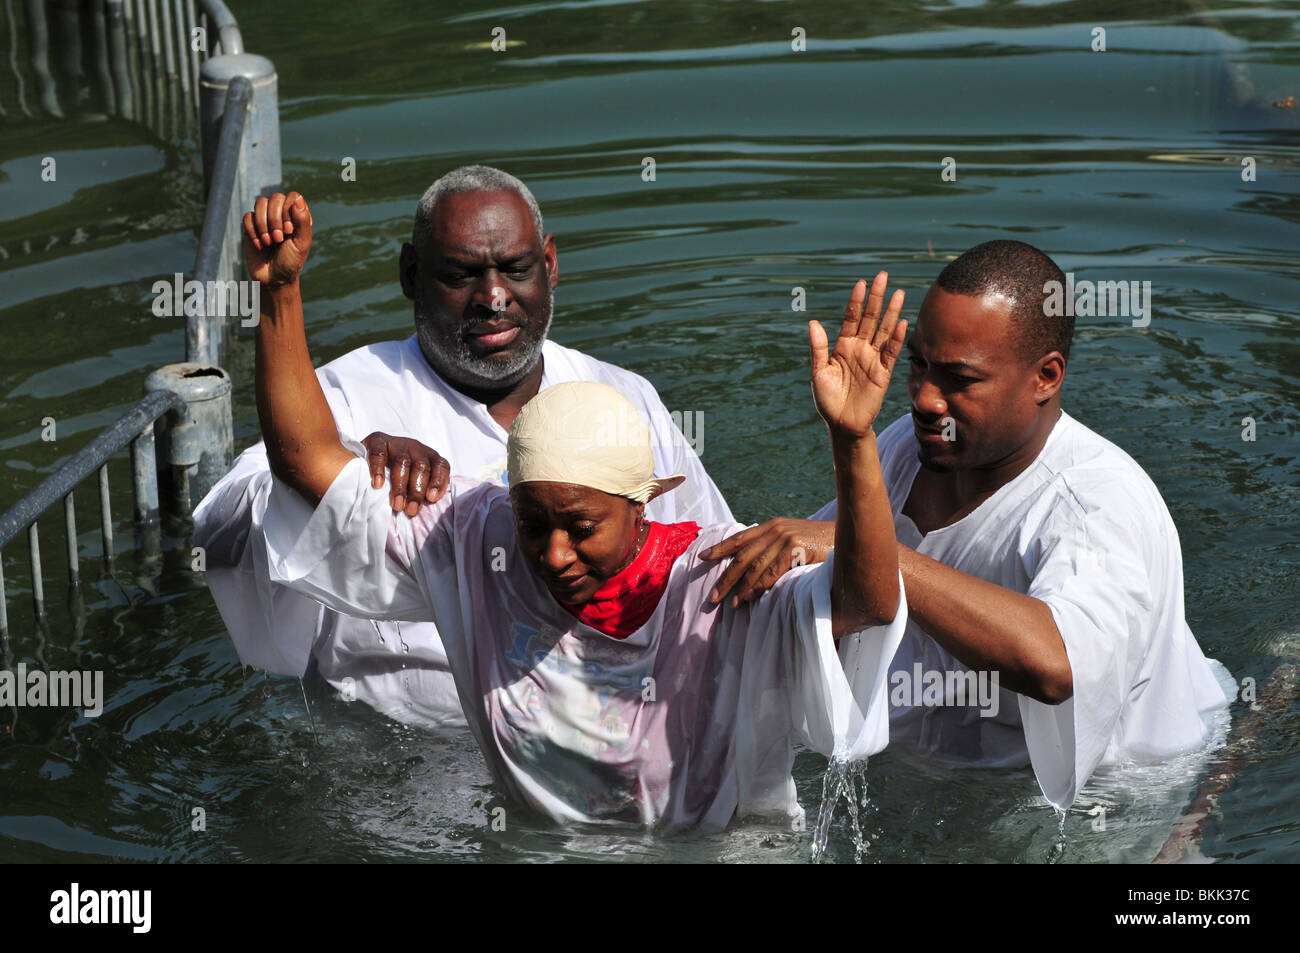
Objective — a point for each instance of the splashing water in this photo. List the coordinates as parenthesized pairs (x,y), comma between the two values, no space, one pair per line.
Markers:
(311,722)
(842,779)
(1057,850)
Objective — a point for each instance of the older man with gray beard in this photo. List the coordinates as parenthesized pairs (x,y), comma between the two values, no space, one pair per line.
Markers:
(480,272)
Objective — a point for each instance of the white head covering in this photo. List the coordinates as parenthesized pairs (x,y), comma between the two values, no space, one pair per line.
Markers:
(588,434)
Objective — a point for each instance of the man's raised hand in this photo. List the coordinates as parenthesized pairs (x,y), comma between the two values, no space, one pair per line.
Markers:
(419,474)
(849,383)
(277,238)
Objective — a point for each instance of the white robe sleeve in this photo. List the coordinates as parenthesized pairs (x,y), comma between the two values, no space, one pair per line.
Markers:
(797,689)
(353,553)
(1089,571)
(273,628)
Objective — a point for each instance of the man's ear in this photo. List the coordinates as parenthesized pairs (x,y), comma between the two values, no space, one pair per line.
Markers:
(408,266)
(1051,375)
(552,259)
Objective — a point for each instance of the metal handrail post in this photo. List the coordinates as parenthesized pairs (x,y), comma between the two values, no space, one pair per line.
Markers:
(219,17)
(196,444)
(118,57)
(85,462)
(260,151)
(204,332)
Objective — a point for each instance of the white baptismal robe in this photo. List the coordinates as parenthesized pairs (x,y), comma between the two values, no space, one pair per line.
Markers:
(1086,531)
(690,720)
(400,669)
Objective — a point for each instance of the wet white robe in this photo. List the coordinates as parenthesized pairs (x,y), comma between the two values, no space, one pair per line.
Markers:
(399,669)
(690,720)
(1086,531)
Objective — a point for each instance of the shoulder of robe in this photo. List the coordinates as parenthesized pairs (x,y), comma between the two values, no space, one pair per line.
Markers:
(487,505)
(479,494)
(578,365)
(1095,486)
(710,536)
(392,356)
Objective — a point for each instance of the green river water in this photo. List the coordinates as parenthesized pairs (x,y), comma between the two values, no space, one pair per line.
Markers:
(774,169)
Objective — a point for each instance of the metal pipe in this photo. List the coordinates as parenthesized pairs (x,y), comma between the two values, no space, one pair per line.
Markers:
(38,584)
(106,517)
(13,58)
(144,483)
(155,67)
(118,61)
(70,527)
(155,41)
(203,332)
(195,58)
(258,169)
(144,477)
(195,445)
(70,51)
(99,35)
(219,16)
(128,40)
(140,70)
(112,439)
(39,37)
(182,48)
(4,608)
(169,59)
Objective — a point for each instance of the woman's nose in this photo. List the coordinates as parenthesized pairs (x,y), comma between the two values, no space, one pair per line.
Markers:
(558,553)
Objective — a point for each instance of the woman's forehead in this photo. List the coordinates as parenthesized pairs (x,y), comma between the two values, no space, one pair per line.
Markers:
(562,497)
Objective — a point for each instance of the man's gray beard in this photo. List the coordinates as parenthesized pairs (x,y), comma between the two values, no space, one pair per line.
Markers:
(478,371)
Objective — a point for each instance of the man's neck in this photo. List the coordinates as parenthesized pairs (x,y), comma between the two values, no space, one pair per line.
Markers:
(979,483)
(941,499)
(503,404)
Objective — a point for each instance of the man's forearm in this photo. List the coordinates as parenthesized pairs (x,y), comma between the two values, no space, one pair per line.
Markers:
(864,589)
(987,627)
(302,442)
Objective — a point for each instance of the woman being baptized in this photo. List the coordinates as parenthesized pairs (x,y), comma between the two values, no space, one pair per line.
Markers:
(599,681)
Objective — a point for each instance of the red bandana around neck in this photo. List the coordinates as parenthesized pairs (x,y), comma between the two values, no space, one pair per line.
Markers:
(625,601)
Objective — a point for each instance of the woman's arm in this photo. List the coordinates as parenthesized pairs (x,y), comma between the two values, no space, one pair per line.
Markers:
(302,441)
(849,385)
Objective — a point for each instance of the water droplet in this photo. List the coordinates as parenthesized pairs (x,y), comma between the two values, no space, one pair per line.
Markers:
(840,781)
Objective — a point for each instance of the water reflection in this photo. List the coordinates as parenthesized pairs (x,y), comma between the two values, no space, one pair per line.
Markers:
(775,170)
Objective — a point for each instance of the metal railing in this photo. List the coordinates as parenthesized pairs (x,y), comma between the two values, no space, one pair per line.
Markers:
(166,65)
(135,427)
(145,57)
(216,259)
(152,67)
(240,125)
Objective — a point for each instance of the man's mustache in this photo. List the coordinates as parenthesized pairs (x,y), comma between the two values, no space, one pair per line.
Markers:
(499,321)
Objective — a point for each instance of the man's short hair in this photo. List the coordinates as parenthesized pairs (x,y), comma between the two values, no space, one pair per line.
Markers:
(1019,272)
(469,178)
